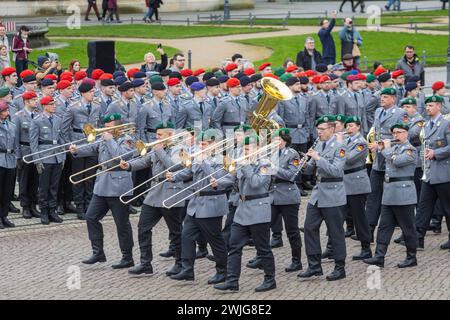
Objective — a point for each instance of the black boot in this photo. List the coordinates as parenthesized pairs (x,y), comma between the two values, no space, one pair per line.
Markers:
(26,213)
(132,210)
(372,232)
(44,217)
(446,245)
(228,285)
(410,261)
(314,267)
(255,263)
(328,253)
(250,243)
(6,223)
(219,277)
(277,241)
(1,224)
(13,208)
(60,209)
(97,253)
(69,208)
(184,275)
(176,269)
(400,239)
(268,284)
(168,254)
(338,272)
(125,262)
(34,211)
(378,259)
(53,216)
(141,269)
(350,231)
(365,253)
(435,226)
(201,253)
(296,264)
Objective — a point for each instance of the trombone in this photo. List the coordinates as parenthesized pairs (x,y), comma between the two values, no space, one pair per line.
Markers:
(89,131)
(143,148)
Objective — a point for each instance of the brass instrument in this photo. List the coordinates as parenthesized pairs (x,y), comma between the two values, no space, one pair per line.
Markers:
(425,145)
(91,133)
(371,139)
(142,147)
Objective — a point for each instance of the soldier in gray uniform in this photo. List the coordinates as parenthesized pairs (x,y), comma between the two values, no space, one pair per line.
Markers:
(371,98)
(436,182)
(64,98)
(386,116)
(108,187)
(28,176)
(46,133)
(195,111)
(327,200)
(232,109)
(174,94)
(252,218)
(206,208)
(212,86)
(9,145)
(140,92)
(29,84)
(107,95)
(86,110)
(399,197)
(352,102)
(125,106)
(161,158)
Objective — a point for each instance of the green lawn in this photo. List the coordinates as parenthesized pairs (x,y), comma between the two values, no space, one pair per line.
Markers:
(438,28)
(423,13)
(376,46)
(152,31)
(126,52)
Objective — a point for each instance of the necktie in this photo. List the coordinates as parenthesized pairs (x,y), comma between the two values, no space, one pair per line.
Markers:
(296,101)
(328,98)
(431,124)
(5,124)
(161,109)
(67,104)
(201,107)
(51,120)
(324,146)
(247,97)
(108,101)
(356,98)
(141,100)
(237,102)
(382,114)
(128,108)
(349,140)
(215,102)
(89,107)
(32,115)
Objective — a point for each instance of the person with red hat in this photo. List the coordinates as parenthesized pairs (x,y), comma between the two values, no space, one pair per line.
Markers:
(398,76)
(28,176)
(10,79)
(292,69)
(174,93)
(45,134)
(249,71)
(80,76)
(438,88)
(265,68)
(8,152)
(199,73)
(316,82)
(29,83)
(231,69)
(232,109)
(64,99)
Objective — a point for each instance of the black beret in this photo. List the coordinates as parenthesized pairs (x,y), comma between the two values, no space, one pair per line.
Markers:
(165,73)
(47,82)
(158,86)
(321,67)
(190,80)
(175,74)
(291,81)
(208,75)
(410,86)
(304,80)
(240,75)
(212,82)
(384,77)
(107,82)
(245,80)
(29,78)
(256,77)
(127,85)
(85,87)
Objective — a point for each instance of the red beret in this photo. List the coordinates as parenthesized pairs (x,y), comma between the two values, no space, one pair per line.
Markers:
(67,77)
(300,74)
(233,82)
(8,71)
(29,95)
(361,76)
(65,73)
(352,77)
(397,73)
(264,65)
(291,68)
(51,77)
(438,85)
(231,67)
(199,72)
(3,105)
(80,75)
(186,72)
(63,84)
(379,71)
(323,79)
(97,73)
(89,81)
(310,73)
(316,79)
(105,76)
(46,100)
(249,71)
(26,73)
(173,82)
(131,72)
(270,75)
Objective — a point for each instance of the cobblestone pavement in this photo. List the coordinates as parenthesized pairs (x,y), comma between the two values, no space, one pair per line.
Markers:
(38,262)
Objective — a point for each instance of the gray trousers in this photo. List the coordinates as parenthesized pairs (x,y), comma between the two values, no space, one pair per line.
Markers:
(391,216)
(373,206)
(28,185)
(48,186)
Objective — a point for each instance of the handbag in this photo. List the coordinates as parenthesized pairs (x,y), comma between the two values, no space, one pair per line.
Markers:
(355,51)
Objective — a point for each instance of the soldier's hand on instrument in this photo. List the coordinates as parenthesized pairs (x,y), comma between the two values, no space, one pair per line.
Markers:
(107,136)
(214,183)
(387,143)
(373,147)
(158,146)
(429,154)
(313,154)
(169,176)
(124,165)
(39,168)
(73,149)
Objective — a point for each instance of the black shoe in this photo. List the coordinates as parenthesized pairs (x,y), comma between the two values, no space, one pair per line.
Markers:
(400,239)
(69,208)
(201,253)
(307,185)
(446,245)
(410,261)
(349,232)
(1,224)
(13,209)
(53,217)
(255,263)
(296,265)
(141,269)
(34,211)
(327,254)
(338,272)
(303,193)
(176,269)
(186,275)
(217,278)
(365,253)
(210,257)
(44,217)
(276,242)
(268,284)
(354,237)
(87,19)
(6,223)
(81,216)
(421,245)
(137,203)
(26,213)
(15,197)
(386,7)
(60,209)
(227,286)
(96,257)
(314,267)
(132,210)
(375,261)
(168,254)
(123,263)
(302,229)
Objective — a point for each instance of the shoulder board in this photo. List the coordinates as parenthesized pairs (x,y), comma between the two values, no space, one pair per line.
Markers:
(185,96)
(76,103)
(97,100)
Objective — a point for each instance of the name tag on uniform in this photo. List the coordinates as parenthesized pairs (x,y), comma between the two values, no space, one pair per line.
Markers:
(55,142)
(242,123)
(299,126)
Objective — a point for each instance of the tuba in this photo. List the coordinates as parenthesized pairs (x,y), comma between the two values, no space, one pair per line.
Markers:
(370,139)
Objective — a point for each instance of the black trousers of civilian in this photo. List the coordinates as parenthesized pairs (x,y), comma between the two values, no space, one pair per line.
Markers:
(7,179)
(48,186)
(92,5)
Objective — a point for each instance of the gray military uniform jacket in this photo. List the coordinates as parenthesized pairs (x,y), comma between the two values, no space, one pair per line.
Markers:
(229,113)
(175,102)
(371,104)
(320,105)
(352,104)
(382,125)
(150,115)
(330,166)
(401,162)
(284,190)
(207,206)
(127,109)
(22,120)
(416,124)
(105,101)
(45,135)
(193,112)
(356,179)
(295,115)
(438,139)
(18,102)
(9,145)
(254,179)
(115,182)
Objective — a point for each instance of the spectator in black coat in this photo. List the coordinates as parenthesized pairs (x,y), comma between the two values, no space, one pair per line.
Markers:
(328,47)
(151,64)
(309,57)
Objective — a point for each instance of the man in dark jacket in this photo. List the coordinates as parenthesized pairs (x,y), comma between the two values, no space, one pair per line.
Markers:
(328,47)
(411,65)
(309,58)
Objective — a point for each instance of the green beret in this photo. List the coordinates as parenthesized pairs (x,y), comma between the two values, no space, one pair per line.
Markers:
(251,139)
(325,119)
(165,125)
(281,131)
(340,118)
(345,75)
(370,78)
(278,72)
(389,91)
(190,130)
(352,119)
(243,127)
(285,76)
(400,125)
(4,91)
(112,117)
(209,134)
(434,98)
(408,101)
(155,79)
(218,74)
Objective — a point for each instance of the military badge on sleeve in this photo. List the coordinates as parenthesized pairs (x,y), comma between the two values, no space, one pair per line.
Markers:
(342,153)
(360,147)
(296,162)
(409,152)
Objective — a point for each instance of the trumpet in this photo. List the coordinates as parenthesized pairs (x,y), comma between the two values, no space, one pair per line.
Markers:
(90,137)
